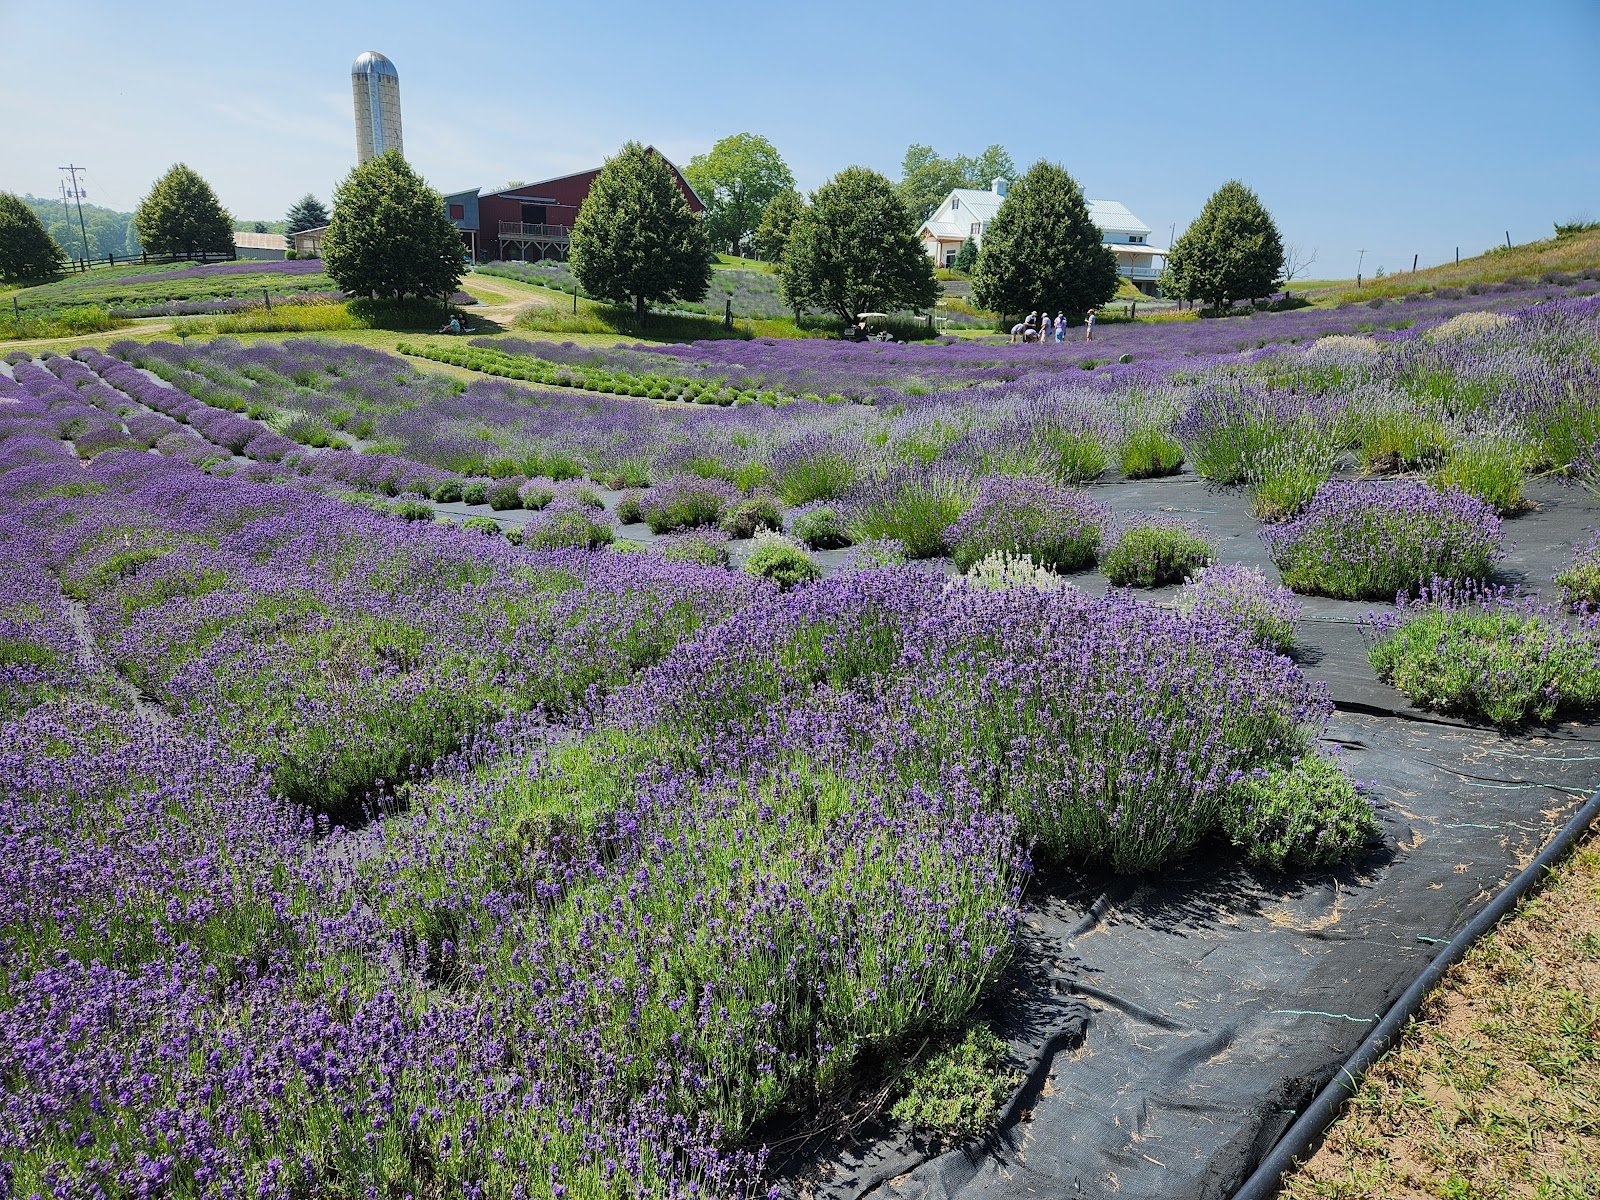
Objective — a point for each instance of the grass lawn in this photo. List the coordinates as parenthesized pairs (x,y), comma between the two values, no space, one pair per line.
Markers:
(1576,252)
(1495,1090)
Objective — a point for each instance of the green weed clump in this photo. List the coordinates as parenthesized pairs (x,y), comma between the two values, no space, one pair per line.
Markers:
(780,561)
(1154,555)
(1304,814)
(744,518)
(956,1093)
(1488,468)
(821,527)
(1150,452)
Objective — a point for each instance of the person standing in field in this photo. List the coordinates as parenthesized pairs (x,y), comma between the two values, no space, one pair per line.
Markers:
(1089,335)
(1061,328)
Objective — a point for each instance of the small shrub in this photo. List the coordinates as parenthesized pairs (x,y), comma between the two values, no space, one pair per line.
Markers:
(956,1094)
(685,501)
(1285,476)
(1487,653)
(1150,452)
(743,518)
(447,491)
(630,508)
(780,561)
(1488,468)
(1397,438)
(1307,814)
(914,505)
(1366,540)
(1075,456)
(534,495)
(1154,554)
(475,492)
(413,510)
(1056,528)
(819,526)
(565,524)
(874,554)
(506,494)
(703,547)
(1000,570)
(1245,597)
(482,525)
(1580,580)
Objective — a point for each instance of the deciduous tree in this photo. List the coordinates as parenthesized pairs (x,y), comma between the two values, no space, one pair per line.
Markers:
(27,251)
(772,235)
(1041,249)
(388,236)
(182,215)
(854,250)
(927,177)
(636,240)
(1231,252)
(737,179)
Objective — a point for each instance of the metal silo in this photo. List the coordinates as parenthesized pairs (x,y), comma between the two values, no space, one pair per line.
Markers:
(376,85)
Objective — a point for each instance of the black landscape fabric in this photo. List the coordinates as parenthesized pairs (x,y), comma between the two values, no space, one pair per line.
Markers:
(1172,1027)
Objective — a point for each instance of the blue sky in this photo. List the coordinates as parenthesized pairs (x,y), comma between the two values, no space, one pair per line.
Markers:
(1398,127)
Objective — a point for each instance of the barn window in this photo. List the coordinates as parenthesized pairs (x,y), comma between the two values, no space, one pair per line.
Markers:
(458,212)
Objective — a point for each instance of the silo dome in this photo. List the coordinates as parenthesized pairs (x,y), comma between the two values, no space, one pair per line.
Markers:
(373,63)
(376,87)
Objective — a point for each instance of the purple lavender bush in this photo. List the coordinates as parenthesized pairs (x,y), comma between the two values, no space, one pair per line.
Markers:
(1374,540)
(1056,527)
(1246,597)
(1579,581)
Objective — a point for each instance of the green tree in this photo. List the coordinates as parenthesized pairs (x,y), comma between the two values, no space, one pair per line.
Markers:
(306,213)
(1041,249)
(967,256)
(1232,251)
(636,239)
(926,177)
(854,249)
(182,215)
(388,236)
(925,180)
(994,163)
(737,179)
(772,235)
(27,251)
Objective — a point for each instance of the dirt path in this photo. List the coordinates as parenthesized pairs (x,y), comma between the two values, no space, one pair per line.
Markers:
(94,662)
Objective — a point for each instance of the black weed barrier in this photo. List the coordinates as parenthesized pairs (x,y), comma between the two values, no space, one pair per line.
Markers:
(1184,1037)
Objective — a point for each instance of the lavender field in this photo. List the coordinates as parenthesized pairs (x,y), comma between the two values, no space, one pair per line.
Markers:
(416,786)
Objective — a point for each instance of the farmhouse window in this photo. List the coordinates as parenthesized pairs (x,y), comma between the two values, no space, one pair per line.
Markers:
(955,203)
(458,212)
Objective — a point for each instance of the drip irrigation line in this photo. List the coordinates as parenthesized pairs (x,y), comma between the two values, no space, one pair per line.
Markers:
(1301,1137)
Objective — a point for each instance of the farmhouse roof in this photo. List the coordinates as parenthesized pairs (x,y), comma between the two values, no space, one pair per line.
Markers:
(1109,216)
(260,241)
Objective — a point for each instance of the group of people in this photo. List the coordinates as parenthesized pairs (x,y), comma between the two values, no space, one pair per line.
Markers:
(456,324)
(1038,327)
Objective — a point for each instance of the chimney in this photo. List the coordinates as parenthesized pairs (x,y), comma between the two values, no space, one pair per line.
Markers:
(999,187)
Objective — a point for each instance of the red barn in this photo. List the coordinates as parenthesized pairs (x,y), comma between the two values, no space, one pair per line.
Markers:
(534,220)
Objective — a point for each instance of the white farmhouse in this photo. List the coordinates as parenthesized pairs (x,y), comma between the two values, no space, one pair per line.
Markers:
(966,212)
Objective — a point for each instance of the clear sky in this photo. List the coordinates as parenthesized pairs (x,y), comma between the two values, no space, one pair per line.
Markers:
(1400,127)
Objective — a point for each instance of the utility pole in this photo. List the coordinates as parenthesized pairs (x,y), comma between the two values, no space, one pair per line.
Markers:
(78,194)
(1359,261)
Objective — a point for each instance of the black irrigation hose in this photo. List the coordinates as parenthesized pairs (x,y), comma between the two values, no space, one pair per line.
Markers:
(1309,1127)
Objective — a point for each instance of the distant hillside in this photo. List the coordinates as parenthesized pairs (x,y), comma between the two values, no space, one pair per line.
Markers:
(110,232)
(1570,253)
